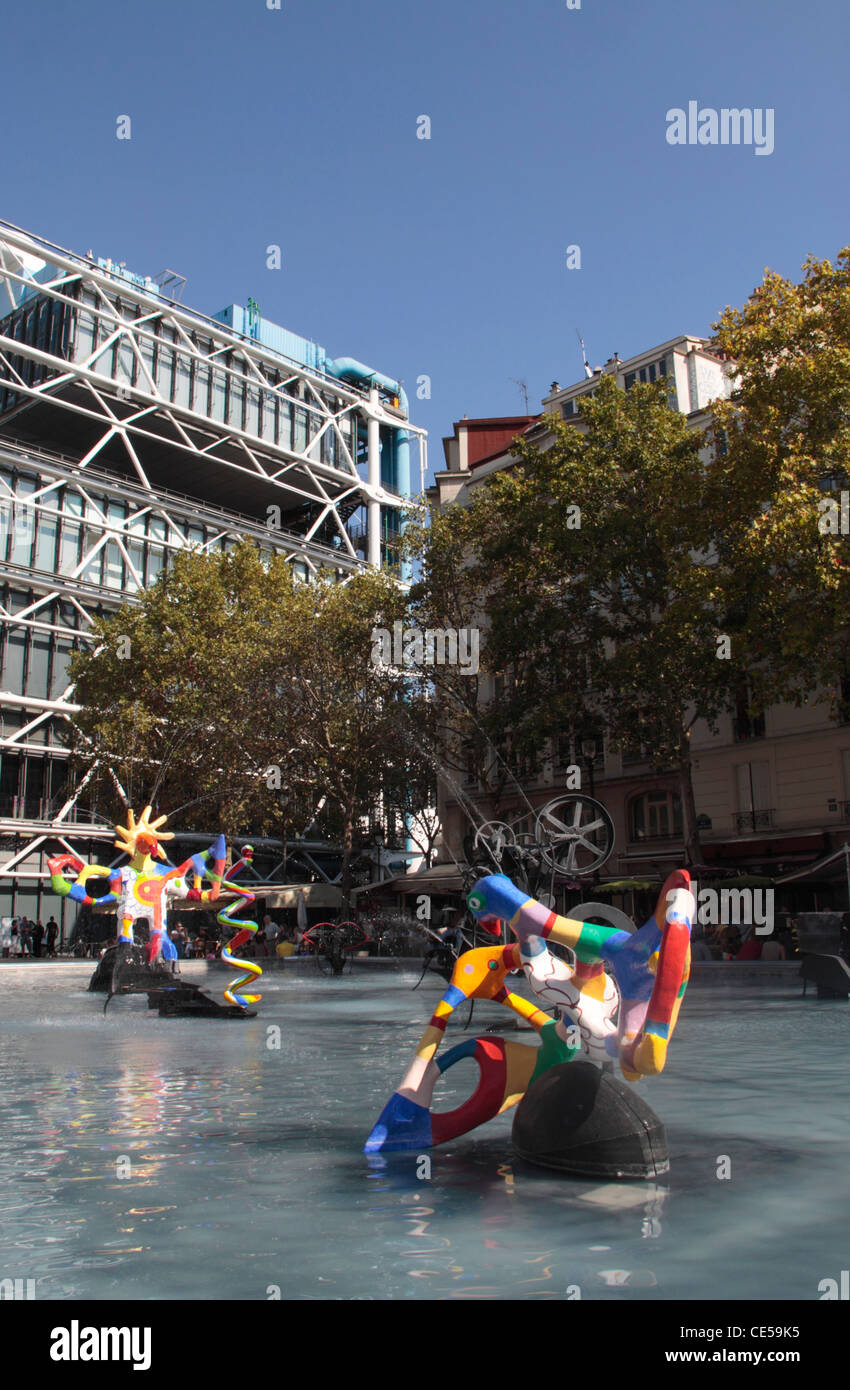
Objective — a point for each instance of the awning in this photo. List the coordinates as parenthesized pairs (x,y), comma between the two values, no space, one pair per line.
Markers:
(839,861)
(314,895)
(627,885)
(443,878)
(280,895)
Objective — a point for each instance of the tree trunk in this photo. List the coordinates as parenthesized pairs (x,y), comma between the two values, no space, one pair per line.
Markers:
(345,874)
(693,848)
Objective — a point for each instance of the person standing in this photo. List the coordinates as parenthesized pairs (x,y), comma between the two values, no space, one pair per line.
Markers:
(270,934)
(37,939)
(52,935)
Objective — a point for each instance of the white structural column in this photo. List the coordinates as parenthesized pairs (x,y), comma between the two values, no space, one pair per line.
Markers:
(374,480)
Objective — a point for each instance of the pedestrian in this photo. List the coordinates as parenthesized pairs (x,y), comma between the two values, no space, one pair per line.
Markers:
(773,949)
(37,939)
(26,937)
(270,934)
(52,935)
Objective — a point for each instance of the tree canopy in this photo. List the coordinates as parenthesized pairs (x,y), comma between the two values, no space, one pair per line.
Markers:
(634,575)
(237,697)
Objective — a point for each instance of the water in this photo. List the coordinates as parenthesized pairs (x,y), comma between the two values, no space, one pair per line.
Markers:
(244,1173)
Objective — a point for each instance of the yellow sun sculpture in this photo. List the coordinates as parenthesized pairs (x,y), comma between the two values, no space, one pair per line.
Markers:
(144,888)
(142,836)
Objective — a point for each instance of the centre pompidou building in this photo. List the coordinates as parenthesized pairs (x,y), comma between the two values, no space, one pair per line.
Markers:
(132,427)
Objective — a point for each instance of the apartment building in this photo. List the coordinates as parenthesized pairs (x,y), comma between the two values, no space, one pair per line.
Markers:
(772,793)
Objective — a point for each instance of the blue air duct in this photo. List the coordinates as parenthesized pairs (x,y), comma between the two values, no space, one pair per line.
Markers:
(349,369)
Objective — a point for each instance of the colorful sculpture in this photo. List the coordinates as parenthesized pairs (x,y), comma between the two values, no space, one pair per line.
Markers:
(145,888)
(648,975)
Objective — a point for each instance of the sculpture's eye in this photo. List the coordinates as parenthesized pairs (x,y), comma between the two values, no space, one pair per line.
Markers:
(475,901)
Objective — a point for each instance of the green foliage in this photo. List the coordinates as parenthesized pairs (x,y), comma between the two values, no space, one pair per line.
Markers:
(787,430)
(237,676)
(691,549)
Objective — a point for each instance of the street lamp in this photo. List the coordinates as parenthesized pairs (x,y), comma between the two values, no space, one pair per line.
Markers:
(588,749)
(379,842)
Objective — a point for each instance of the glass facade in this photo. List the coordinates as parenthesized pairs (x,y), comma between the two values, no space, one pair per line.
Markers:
(58,535)
(75,545)
(115,545)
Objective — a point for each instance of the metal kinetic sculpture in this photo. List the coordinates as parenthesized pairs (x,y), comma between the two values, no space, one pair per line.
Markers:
(640,977)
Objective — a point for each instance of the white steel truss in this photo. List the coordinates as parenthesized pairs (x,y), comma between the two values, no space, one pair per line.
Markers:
(150,394)
(148,374)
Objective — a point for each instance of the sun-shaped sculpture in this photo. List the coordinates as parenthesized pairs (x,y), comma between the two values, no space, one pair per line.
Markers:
(142,836)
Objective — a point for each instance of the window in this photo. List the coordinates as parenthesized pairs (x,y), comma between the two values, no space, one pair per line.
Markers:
(113,577)
(646,374)
(746,726)
(571,407)
(632,751)
(45,548)
(61,661)
(844,700)
(69,545)
(10,771)
(752,782)
(656,816)
(23,533)
(156,553)
(38,666)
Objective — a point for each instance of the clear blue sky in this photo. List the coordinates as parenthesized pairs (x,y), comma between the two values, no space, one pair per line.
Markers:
(447,256)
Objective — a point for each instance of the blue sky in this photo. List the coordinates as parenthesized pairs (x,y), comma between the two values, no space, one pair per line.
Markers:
(446,256)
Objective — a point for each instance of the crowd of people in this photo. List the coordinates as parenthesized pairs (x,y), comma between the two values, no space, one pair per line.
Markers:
(729,942)
(28,938)
(269,940)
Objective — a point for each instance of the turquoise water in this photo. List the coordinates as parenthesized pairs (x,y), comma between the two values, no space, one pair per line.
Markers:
(189,1159)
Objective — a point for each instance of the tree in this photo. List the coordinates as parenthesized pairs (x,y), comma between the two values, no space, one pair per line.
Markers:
(604,598)
(455,746)
(634,575)
(242,699)
(784,436)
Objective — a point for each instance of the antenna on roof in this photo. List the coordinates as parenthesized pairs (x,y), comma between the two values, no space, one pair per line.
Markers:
(523,386)
(587,370)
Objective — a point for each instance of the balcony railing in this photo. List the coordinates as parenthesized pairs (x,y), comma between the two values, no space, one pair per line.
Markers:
(45,809)
(746,728)
(751,821)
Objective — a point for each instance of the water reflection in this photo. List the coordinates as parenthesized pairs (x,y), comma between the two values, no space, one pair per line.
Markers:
(148,1158)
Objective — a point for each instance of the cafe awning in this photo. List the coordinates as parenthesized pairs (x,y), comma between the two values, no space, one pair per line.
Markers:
(278,895)
(442,878)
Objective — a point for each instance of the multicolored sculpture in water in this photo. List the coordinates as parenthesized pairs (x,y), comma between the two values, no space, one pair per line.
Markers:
(145,889)
(647,973)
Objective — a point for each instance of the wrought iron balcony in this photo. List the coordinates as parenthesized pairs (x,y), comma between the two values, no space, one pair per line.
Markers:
(753,820)
(746,728)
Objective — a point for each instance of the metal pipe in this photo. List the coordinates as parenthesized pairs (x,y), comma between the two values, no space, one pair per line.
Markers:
(373,505)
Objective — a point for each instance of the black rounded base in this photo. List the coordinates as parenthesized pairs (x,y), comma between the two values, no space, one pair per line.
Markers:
(584,1122)
(124,970)
(188,1001)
